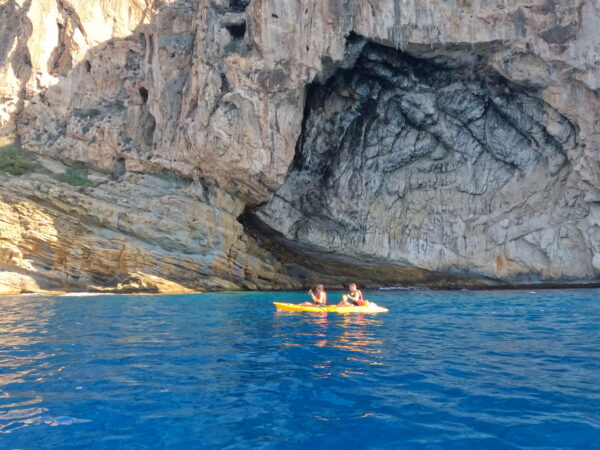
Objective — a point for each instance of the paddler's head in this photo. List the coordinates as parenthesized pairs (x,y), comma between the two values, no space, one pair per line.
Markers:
(319,288)
(352,287)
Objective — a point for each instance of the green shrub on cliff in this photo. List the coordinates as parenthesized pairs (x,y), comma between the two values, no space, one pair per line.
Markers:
(236,46)
(75,176)
(14,160)
(86,113)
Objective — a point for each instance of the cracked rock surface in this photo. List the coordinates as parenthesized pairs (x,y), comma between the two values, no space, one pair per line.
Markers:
(439,165)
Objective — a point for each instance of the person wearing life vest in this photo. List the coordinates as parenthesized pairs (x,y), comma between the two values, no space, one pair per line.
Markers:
(319,297)
(353,298)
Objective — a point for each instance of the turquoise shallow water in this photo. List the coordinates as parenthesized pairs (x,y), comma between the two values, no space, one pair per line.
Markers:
(508,369)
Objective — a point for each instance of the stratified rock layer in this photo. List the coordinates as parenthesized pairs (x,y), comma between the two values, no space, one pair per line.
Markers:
(142,232)
(469,155)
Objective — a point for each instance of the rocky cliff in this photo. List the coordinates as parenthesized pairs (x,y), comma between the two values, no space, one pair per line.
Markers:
(266,144)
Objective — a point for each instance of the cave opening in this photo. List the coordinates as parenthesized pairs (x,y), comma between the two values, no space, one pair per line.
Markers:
(143,94)
(238,5)
(399,150)
(237,30)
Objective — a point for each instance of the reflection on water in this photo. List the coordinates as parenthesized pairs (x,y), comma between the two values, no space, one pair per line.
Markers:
(359,334)
(24,320)
(22,326)
(26,362)
(355,332)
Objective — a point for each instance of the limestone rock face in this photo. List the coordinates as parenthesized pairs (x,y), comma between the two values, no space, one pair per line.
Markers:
(423,164)
(264,143)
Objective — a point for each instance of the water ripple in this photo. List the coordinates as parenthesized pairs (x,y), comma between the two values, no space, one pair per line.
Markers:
(441,370)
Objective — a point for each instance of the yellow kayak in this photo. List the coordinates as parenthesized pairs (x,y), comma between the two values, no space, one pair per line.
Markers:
(371,308)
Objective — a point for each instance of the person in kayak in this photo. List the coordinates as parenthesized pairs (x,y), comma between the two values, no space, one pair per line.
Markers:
(353,298)
(319,297)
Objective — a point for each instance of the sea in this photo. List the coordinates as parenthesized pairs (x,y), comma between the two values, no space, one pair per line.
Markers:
(441,370)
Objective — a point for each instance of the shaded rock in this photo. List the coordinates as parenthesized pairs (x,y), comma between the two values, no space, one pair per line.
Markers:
(406,162)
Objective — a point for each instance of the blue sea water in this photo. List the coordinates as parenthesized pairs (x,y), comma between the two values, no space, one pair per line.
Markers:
(441,370)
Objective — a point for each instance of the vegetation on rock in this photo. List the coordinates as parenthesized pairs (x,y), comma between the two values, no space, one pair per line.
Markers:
(236,46)
(14,160)
(86,113)
(75,176)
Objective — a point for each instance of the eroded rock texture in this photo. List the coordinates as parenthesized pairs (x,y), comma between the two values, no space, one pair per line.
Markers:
(460,145)
(436,163)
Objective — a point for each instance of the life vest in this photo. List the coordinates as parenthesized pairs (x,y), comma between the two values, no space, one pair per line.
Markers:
(360,299)
(318,295)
